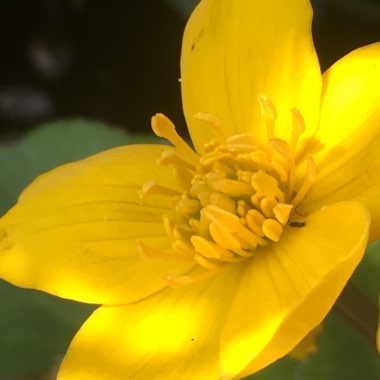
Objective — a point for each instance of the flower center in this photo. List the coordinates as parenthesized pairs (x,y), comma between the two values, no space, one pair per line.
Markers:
(239,195)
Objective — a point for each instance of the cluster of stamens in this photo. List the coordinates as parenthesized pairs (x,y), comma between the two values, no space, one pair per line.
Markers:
(237,196)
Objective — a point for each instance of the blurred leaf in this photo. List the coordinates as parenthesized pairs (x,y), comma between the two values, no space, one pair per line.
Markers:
(36,328)
(283,369)
(53,144)
(184,7)
(342,354)
(367,275)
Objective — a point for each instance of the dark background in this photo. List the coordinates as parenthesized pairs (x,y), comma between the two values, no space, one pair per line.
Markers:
(118,60)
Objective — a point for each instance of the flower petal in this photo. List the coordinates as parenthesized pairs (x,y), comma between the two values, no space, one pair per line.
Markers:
(350,130)
(234,50)
(173,334)
(74,231)
(289,287)
(350,99)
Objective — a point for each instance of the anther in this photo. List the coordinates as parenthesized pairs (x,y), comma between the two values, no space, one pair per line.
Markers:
(266,185)
(255,221)
(297,129)
(310,178)
(232,187)
(151,187)
(164,128)
(148,253)
(168,157)
(282,211)
(213,121)
(272,229)
(269,114)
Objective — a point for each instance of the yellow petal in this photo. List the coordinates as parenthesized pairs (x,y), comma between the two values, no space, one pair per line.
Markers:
(350,107)
(235,50)
(289,287)
(74,231)
(171,335)
(350,130)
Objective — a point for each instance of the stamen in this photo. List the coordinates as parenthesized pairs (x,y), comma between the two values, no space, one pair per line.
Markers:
(269,114)
(255,221)
(168,157)
(223,202)
(267,205)
(215,123)
(239,195)
(210,250)
(164,128)
(183,248)
(272,229)
(168,226)
(244,142)
(310,178)
(279,169)
(178,281)
(206,263)
(151,187)
(281,146)
(224,238)
(183,176)
(232,187)
(281,212)
(148,253)
(265,185)
(188,206)
(297,129)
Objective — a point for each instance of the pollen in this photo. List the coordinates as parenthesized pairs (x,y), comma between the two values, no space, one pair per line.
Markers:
(240,195)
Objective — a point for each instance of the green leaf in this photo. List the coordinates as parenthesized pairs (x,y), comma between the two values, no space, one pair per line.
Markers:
(367,275)
(51,145)
(184,7)
(342,354)
(36,328)
(283,369)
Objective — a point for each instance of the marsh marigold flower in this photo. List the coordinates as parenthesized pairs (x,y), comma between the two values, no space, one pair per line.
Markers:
(214,261)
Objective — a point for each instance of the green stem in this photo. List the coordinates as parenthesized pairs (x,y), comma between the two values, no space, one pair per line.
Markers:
(355,308)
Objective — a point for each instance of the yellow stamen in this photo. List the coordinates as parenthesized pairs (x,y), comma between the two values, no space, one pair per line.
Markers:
(223,202)
(297,129)
(168,157)
(232,187)
(152,187)
(163,127)
(239,195)
(272,229)
(224,238)
(148,253)
(178,281)
(269,114)
(183,176)
(265,185)
(206,263)
(215,123)
(255,221)
(210,250)
(282,211)
(310,178)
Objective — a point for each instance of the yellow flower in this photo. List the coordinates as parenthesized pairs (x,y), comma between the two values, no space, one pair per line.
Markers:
(212,263)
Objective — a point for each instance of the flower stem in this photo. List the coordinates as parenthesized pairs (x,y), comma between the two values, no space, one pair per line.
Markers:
(358,310)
